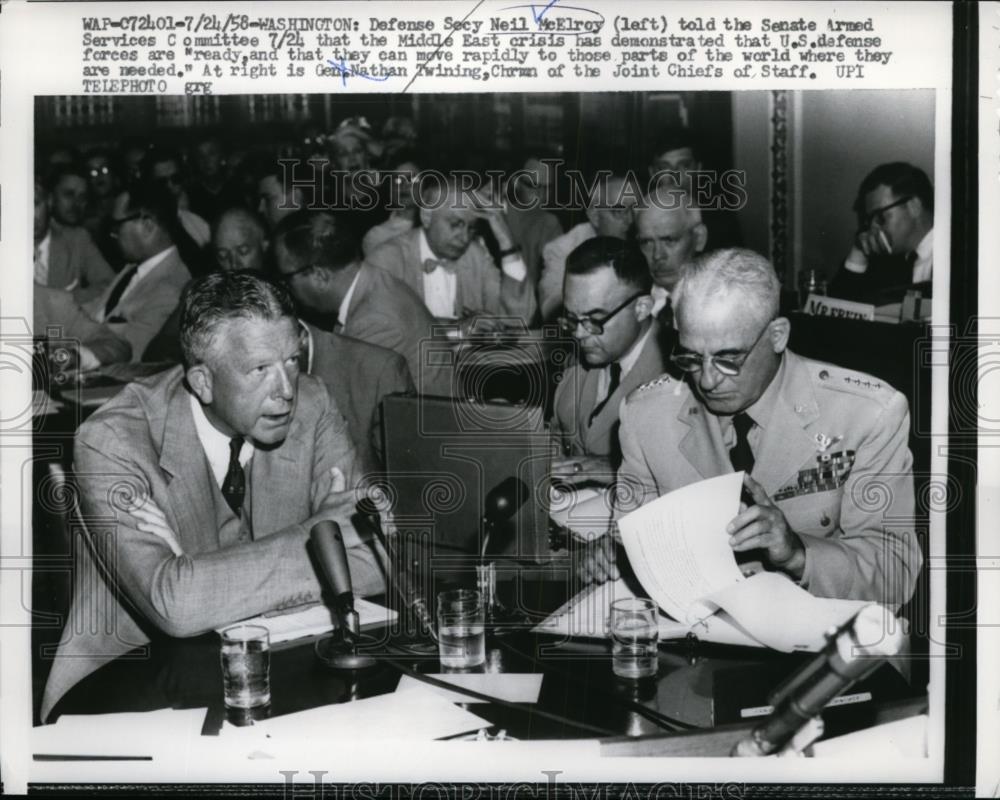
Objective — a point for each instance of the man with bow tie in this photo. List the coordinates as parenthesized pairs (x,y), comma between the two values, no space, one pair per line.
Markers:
(824,449)
(449,268)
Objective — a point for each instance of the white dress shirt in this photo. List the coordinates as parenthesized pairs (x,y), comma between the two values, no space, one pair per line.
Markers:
(627,361)
(216,444)
(42,260)
(440,286)
(345,304)
(144,269)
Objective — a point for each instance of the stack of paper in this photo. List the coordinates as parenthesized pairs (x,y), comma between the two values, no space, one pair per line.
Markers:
(317,620)
(149,734)
(514,687)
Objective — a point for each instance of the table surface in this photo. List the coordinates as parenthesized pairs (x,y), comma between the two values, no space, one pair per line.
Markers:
(699,684)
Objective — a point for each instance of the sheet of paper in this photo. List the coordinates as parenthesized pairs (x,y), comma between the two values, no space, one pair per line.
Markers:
(149,733)
(318,619)
(779,613)
(677,544)
(416,714)
(585,616)
(514,687)
(585,511)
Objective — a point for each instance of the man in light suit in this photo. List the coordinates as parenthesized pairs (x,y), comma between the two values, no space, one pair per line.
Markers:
(318,260)
(824,448)
(200,485)
(57,316)
(145,293)
(358,375)
(451,271)
(66,256)
(608,305)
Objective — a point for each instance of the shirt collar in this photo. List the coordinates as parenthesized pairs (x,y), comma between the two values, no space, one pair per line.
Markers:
(925,249)
(147,266)
(761,409)
(628,360)
(345,304)
(215,443)
(425,248)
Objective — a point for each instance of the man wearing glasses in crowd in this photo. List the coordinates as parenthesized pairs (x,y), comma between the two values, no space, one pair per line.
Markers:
(608,307)
(817,442)
(894,247)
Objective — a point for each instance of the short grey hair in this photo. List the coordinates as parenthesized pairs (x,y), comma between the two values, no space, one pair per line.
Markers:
(218,297)
(670,199)
(737,270)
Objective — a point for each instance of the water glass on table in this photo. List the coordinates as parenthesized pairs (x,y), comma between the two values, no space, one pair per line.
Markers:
(461,628)
(246,662)
(634,635)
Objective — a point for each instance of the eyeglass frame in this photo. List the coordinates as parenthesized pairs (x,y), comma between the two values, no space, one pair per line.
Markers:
(879,213)
(286,277)
(731,371)
(589,323)
(116,224)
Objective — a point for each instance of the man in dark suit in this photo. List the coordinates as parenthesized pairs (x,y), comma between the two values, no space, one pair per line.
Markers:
(145,293)
(608,313)
(358,375)
(445,265)
(202,484)
(894,247)
(319,262)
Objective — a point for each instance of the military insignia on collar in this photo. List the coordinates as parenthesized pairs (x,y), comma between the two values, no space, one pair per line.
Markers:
(824,442)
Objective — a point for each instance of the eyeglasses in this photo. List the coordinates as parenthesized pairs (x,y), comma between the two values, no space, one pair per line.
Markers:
(878,215)
(728,364)
(116,224)
(593,325)
(286,277)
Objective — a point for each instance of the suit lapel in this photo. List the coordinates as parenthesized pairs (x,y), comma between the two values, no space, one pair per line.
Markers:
(189,489)
(787,445)
(703,428)
(272,471)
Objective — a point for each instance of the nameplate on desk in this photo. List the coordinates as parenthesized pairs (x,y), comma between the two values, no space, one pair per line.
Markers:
(843,700)
(822,306)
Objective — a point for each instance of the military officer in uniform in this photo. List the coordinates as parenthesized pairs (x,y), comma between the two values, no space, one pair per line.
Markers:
(829,484)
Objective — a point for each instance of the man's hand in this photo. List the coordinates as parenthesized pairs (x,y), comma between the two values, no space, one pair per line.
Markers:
(595,561)
(764,526)
(498,224)
(581,469)
(473,324)
(873,242)
(153,520)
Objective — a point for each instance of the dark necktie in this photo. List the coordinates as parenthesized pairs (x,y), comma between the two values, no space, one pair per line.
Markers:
(616,379)
(741,455)
(119,290)
(234,486)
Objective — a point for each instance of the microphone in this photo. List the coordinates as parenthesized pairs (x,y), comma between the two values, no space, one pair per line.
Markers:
(854,651)
(328,543)
(501,504)
(402,577)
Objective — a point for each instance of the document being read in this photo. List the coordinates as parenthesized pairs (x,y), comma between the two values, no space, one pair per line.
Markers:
(679,550)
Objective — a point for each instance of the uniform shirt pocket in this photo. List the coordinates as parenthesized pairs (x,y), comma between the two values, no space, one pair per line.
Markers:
(816,513)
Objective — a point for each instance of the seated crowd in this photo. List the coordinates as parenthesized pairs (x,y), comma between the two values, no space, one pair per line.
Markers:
(284,308)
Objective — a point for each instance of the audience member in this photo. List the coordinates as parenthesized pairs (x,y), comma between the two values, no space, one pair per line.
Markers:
(319,263)
(211,192)
(65,254)
(144,294)
(451,271)
(239,241)
(165,166)
(399,188)
(531,226)
(609,213)
(91,344)
(894,247)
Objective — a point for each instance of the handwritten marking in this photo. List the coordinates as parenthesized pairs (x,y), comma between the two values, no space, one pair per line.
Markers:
(422,66)
(348,72)
(539,14)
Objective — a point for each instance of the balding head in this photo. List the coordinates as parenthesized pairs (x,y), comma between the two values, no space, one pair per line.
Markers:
(448,217)
(670,233)
(239,241)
